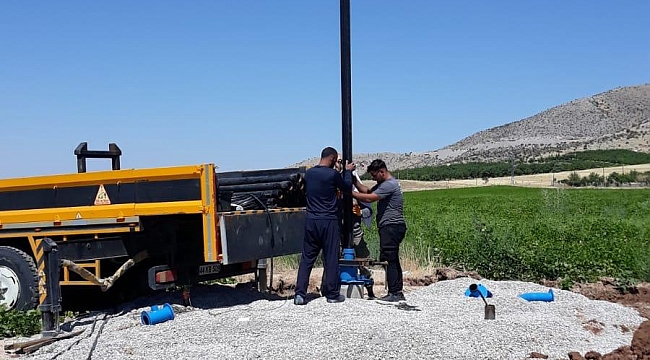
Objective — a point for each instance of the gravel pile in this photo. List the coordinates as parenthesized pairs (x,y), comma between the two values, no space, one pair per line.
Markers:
(227,322)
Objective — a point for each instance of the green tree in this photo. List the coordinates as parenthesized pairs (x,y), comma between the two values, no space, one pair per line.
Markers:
(573,179)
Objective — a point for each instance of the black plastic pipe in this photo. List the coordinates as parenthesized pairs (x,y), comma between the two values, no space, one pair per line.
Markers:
(258,179)
(286,185)
(346,112)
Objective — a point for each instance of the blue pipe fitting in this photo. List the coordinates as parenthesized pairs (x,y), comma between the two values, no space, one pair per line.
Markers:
(348,254)
(157,315)
(481,290)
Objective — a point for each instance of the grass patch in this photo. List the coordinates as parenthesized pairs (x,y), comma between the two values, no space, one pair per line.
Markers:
(288,262)
(531,234)
(528,234)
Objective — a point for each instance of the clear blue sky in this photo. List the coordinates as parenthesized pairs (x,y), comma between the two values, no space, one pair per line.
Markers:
(254,84)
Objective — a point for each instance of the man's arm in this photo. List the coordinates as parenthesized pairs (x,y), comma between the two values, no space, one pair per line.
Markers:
(359,185)
(371,197)
(380,191)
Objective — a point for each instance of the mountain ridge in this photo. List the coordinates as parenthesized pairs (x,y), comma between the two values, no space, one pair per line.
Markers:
(615,119)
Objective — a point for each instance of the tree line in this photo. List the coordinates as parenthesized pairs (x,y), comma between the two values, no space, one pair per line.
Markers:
(568,162)
(613,179)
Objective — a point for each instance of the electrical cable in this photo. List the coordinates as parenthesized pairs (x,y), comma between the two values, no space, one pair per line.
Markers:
(92,329)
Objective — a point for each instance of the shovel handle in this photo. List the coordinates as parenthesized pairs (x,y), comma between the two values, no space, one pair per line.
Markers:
(486,304)
(474,288)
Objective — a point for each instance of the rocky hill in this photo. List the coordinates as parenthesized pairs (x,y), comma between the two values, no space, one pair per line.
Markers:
(616,119)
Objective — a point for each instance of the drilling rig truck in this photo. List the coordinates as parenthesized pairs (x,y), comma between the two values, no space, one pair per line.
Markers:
(127,231)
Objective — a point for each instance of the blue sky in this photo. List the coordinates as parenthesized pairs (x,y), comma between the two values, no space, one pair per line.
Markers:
(254,84)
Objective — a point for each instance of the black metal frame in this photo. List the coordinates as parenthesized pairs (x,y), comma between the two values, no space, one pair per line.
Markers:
(83,153)
(51,307)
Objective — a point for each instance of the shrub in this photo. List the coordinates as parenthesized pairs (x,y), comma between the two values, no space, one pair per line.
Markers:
(19,323)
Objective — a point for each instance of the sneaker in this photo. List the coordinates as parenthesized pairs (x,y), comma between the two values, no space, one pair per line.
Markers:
(392,299)
(299,300)
(337,299)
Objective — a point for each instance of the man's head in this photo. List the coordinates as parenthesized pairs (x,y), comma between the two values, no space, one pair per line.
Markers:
(378,171)
(328,156)
(338,166)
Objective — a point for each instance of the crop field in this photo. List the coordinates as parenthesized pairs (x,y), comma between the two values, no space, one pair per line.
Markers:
(544,180)
(530,234)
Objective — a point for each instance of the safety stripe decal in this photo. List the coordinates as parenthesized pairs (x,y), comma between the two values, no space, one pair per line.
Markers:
(40,268)
(208,216)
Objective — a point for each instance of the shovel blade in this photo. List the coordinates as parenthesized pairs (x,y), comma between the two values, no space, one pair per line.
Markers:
(490,312)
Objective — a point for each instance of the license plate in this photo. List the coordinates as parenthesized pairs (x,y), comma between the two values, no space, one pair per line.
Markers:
(209,269)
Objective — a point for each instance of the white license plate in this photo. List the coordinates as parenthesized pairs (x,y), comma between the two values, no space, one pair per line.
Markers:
(209,269)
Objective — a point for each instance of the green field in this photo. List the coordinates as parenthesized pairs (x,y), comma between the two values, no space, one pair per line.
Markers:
(529,234)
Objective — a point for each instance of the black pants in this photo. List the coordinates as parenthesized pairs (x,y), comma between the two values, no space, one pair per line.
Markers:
(390,236)
(325,235)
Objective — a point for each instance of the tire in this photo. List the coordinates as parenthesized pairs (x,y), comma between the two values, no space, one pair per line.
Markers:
(18,279)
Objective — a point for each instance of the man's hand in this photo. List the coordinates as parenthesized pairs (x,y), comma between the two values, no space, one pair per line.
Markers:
(350,166)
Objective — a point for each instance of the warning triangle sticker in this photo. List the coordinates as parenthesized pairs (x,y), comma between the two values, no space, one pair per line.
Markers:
(102,196)
(78,216)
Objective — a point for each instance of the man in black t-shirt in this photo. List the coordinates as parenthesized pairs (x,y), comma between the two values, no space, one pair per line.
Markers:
(322,231)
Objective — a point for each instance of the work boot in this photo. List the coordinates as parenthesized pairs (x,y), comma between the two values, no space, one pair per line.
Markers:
(299,300)
(337,299)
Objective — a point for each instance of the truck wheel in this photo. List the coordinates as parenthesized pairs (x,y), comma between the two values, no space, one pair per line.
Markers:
(18,279)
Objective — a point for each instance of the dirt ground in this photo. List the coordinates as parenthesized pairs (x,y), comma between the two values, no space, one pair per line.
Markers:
(537,180)
(637,297)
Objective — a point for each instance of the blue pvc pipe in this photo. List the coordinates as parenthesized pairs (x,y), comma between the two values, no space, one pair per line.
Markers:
(157,315)
(348,254)
(538,296)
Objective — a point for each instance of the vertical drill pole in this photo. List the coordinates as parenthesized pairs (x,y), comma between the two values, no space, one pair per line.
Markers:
(346,111)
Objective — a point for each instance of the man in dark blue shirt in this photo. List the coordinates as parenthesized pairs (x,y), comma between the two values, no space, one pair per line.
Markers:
(322,230)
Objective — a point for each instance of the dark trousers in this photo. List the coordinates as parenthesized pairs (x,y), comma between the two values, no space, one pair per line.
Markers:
(390,236)
(325,235)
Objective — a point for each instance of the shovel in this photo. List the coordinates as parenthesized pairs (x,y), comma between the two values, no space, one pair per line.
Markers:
(490,310)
